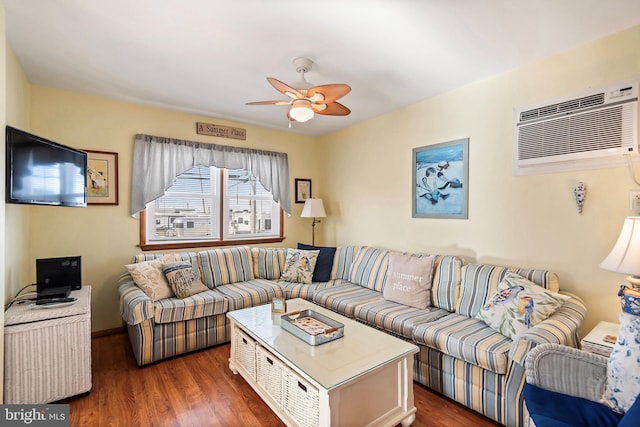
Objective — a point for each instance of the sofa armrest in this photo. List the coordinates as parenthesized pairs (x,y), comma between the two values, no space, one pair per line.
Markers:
(135,305)
(567,370)
(563,327)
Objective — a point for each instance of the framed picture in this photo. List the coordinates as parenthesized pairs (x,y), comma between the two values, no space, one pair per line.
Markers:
(441,180)
(303,190)
(102,178)
(278,305)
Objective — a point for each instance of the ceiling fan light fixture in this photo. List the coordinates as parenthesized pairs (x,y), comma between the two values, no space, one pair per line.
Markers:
(301,110)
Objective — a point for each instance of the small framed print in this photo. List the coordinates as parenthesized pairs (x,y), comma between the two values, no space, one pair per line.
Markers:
(102,178)
(303,190)
(278,305)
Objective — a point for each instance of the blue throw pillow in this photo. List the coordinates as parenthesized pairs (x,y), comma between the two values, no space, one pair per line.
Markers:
(551,409)
(324,263)
(632,417)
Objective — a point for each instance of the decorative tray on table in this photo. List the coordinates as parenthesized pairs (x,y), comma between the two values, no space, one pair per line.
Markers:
(312,327)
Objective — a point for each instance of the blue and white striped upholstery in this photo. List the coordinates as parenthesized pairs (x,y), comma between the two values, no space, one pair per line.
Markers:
(191,257)
(497,396)
(446,282)
(342,261)
(226,265)
(171,339)
(135,305)
(479,281)
(369,268)
(344,298)
(202,304)
(251,293)
(307,291)
(467,339)
(268,263)
(394,317)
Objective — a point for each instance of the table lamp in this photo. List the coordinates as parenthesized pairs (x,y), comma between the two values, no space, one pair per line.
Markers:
(625,258)
(313,208)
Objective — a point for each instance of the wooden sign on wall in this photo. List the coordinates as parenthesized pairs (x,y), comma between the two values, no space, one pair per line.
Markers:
(220,131)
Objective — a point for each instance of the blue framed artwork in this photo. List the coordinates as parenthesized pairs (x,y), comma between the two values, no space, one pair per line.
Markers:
(441,180)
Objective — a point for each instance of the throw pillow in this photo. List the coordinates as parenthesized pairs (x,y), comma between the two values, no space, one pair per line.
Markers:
(183,278)
(150,279)
(299,266)
(409,280)
(518,305)
(623,376)
(324,263)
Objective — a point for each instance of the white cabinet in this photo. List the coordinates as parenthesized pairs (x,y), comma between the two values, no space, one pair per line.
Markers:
(47,351)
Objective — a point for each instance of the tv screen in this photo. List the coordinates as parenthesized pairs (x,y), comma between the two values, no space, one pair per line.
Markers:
(43,172)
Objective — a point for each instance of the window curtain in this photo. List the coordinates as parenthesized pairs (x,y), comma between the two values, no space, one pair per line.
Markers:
(158,161)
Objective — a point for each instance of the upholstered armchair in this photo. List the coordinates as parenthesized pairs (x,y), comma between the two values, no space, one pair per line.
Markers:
(573,374)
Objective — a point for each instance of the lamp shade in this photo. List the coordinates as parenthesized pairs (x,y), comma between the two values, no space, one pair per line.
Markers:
(625,255)
(313,208)
(301,110)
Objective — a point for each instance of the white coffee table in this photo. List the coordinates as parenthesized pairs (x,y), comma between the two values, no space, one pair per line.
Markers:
(362,379)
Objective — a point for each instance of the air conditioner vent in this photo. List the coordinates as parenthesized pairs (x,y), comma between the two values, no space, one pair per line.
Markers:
(562,107)
(593,128)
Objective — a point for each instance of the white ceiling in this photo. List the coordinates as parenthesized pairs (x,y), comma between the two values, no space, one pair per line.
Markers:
(210,57)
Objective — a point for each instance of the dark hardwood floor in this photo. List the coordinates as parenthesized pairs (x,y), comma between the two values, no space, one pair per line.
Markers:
(198,389)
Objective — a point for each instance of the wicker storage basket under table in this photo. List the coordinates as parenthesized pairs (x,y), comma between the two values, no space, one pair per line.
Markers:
(47,351)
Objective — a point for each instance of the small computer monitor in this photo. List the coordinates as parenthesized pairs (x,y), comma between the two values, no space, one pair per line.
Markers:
(58,272)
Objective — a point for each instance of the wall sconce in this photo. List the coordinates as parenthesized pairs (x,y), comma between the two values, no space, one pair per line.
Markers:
(580,192)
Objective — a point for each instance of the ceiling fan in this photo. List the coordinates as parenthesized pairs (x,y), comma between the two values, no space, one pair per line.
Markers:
(307,100)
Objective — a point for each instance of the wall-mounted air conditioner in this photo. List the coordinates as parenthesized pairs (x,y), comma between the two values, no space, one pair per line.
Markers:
(590,129)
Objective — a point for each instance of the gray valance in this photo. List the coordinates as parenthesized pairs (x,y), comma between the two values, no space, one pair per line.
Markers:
(158,161)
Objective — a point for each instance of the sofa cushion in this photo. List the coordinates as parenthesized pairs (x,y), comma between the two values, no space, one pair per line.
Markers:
(183,278)
(342,261)
(408,280)
(226,265)
(299,266)
(251,293)
(150,278)
(324,263)
(466,339)
(480,281)
(369,268)
(396,318)
(345,298)
(268,263)
(305,291)
(446,282)
(518,305)
(203,304)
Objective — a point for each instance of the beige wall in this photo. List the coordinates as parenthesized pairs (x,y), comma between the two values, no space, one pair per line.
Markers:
(18,262)
(106,236)
(3,121)
(527,221)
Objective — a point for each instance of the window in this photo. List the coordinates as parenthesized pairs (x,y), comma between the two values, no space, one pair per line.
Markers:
(209,206)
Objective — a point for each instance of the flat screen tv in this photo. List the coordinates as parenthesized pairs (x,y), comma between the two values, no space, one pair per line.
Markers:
(43,172)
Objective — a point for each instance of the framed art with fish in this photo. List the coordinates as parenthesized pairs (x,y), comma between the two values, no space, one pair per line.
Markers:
(441,180)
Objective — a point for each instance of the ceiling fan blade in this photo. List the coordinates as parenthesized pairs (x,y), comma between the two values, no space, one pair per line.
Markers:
(269,103)
(333,109)
(285,88)
(331,92)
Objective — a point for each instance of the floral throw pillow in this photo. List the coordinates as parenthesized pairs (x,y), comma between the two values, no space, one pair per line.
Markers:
(183,278)
(623,375)
(150,279)
(299,266)
(518,305)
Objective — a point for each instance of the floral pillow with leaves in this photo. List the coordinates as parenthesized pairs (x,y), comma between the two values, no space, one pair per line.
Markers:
(518,305)
(299,265)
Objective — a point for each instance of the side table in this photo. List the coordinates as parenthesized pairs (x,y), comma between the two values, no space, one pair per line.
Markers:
(47,351)
(601,339)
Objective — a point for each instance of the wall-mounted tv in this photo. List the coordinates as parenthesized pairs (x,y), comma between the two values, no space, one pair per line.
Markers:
(43,172)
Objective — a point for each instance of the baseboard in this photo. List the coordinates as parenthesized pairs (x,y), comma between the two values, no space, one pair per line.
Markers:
(107,332)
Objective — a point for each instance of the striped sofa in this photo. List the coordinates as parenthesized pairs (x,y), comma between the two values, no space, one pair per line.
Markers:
(460,356)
